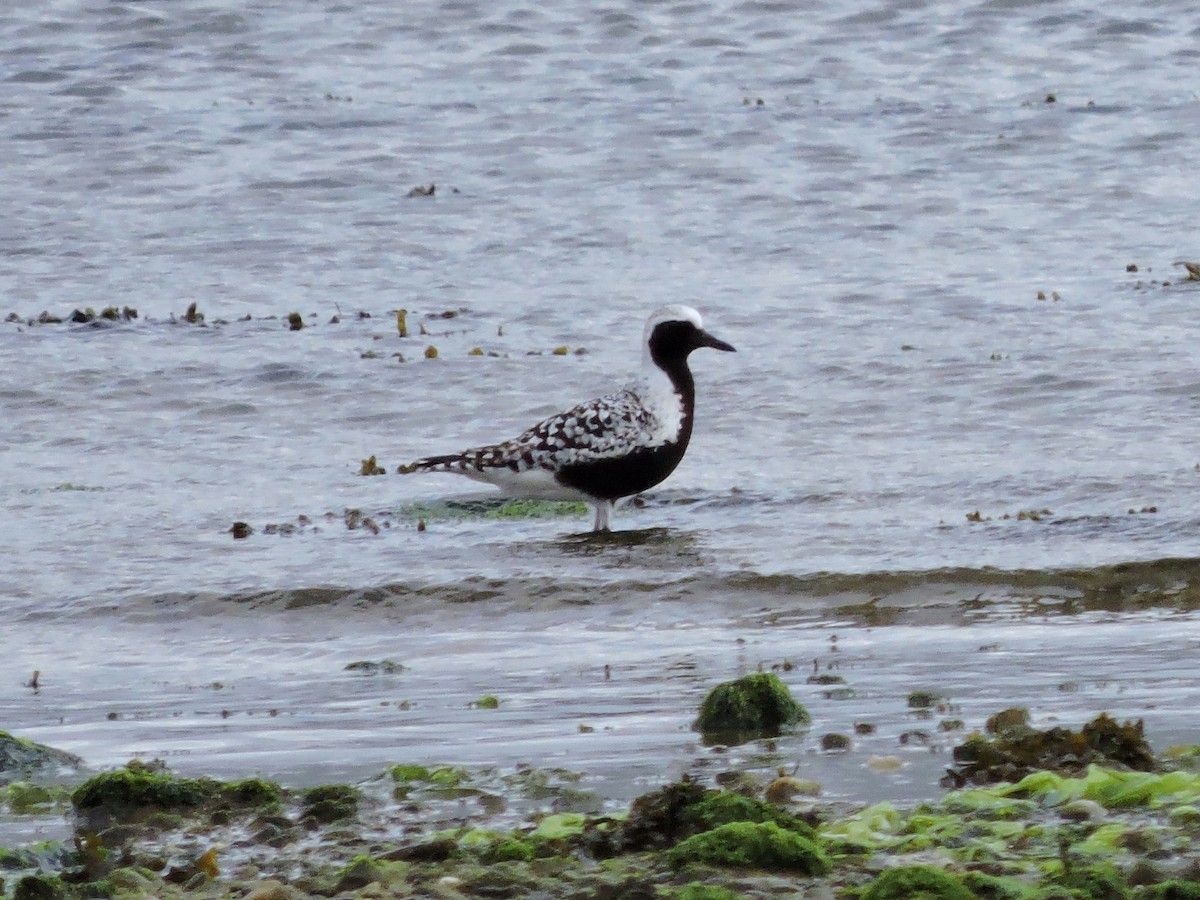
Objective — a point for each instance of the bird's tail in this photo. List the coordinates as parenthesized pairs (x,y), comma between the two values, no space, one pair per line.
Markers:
(454,462)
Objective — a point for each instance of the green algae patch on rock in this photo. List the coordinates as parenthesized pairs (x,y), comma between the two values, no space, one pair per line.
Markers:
(1111,788)
(405,773)
(21,759)
(252,792)
(917,883)
(717,808)
(681,810)
(559,826)
(512,849)
(1175,889)
(141,794)
(439,782)
(1000,887)
(755,706)
(364,870)
(25,798)
(1099,882)
(41,887)
(698,891)
(751,845)
(330,803)
(924,700)
(132,794)
(874,828)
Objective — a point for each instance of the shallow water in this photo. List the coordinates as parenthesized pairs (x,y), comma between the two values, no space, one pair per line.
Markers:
(873,238)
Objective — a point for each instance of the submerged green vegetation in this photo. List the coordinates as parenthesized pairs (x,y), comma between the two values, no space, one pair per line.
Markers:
(1103,830)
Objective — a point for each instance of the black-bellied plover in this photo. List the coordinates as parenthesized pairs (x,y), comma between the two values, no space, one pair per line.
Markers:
(609,448)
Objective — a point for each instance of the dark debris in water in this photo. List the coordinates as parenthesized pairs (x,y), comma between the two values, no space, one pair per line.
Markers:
(371,667)
(352,519)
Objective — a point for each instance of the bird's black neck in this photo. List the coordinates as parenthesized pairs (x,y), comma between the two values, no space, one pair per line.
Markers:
(671,356)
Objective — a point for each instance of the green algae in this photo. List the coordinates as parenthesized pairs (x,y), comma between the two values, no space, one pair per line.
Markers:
(751,845)
(917,883)
(1175,889)
(407,773)
(678,811)
(140,793)
(924,700)
(330,803)
(492,508)
(438,782)
(26,798)
(364,870)
(755,706)
(41,887)
(559,826)
(1003,842)
(512,849)
(698,891)
(1111,788)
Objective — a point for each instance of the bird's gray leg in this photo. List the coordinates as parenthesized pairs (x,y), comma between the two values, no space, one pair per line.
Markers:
(604,510)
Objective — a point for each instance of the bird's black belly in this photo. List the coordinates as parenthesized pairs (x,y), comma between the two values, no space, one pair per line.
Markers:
(621,476)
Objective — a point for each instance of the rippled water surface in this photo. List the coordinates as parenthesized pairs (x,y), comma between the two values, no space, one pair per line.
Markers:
(958,447)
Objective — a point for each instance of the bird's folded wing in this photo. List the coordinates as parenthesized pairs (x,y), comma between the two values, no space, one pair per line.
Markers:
(608,426)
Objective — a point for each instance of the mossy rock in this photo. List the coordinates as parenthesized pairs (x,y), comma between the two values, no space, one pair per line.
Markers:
(917,883)
(999,887)
(698,891)
(513,849)
(41,887)
(330,803)
(1099,882)
(753,707)
(751,845)
(140,794)
(1173,890)
(680,810)
(1016,717)
(129,795)
(723,807)
(23,797)
(254,792)
(21,758)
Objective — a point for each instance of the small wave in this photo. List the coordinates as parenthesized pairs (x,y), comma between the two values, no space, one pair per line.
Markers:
(940,596)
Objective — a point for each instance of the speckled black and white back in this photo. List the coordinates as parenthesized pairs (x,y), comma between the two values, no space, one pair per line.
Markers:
(607,448)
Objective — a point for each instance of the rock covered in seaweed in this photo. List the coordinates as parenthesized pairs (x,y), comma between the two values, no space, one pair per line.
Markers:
(755,706)
(1018,750)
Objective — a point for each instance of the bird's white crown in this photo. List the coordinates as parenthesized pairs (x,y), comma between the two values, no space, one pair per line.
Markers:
(676,312)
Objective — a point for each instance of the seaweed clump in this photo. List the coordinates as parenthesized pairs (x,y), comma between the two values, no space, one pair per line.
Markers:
(755,706)
(138,791)
(751,845)
(1020,750)
(674,813)
(913,882)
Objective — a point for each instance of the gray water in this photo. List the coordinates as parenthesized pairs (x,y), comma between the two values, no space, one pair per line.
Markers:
(866,202)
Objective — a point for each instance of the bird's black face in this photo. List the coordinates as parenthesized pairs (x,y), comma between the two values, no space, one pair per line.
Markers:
(674,340)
